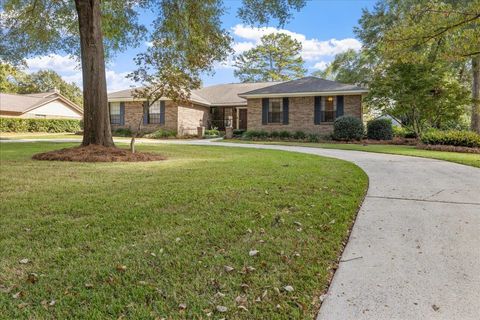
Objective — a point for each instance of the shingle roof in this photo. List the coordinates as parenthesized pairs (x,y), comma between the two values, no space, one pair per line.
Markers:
(21,103)
(216,95)
(227,94)
(304,85)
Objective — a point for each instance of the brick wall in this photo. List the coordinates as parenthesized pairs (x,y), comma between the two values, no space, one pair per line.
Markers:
(301,113)
(190,117)
(181,119)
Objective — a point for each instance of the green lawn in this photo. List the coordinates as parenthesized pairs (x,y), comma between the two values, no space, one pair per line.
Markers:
(470,159)
(40,135)
(137,240)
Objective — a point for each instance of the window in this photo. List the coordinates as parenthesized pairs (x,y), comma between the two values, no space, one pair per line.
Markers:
(115,116)
(154,113)
(275,111)
(329,109)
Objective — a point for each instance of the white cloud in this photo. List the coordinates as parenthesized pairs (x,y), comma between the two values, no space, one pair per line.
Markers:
(69,69)
(55,62)
(322,65)
(312,49)
(315,52)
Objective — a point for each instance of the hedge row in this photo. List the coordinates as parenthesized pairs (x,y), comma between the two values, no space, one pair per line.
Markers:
(280,135)
(39,125)
(453,138)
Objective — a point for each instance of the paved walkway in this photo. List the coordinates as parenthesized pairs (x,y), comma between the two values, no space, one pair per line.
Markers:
(414,251)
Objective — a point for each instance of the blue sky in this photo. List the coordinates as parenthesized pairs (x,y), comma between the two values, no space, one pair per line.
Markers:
(325,27)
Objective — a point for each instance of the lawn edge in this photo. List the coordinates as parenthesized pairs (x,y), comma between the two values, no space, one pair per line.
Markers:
(327,148)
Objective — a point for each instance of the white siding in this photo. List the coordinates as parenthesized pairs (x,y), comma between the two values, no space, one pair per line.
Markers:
(54,109)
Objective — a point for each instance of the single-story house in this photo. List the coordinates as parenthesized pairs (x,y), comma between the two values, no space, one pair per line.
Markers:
(308,104)
(48,105)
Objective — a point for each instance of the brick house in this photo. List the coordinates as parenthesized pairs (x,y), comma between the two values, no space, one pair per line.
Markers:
(308,104)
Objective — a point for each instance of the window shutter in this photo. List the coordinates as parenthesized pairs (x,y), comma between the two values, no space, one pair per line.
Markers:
(265,103)
(145,112)
(339,106)
(285,110)
(122,113)
(317,113)
(162,112)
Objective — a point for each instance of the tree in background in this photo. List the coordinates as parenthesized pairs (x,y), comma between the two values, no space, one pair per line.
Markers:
(13,80)
(94,30)
(418,95)
(276,58)
(428,32)
(348,67)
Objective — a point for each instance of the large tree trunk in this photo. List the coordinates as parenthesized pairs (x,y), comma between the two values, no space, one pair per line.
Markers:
(95,104)
(476,94)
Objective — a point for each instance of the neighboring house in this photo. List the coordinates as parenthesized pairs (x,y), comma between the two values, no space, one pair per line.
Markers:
(49,105)
(308,104)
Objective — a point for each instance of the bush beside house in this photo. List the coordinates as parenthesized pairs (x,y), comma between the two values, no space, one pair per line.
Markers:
(348,128)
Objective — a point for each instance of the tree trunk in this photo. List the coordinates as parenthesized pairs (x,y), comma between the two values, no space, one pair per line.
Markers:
(476,94)
(96,120)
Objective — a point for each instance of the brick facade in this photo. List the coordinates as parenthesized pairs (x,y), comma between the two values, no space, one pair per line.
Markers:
(181,119)
(301,115)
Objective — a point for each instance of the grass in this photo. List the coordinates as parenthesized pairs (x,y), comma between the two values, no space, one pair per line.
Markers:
(38,135)
(470,159)
(137,240)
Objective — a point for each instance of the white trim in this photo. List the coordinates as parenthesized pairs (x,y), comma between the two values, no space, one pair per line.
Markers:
(303,94)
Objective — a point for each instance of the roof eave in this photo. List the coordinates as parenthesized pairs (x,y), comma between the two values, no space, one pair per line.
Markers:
(301,94)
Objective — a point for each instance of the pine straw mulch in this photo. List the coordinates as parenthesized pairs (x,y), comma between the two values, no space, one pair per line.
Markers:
(448,148)
(96,153)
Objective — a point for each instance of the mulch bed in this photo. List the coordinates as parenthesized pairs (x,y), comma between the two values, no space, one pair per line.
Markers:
(439,147)
(95,153)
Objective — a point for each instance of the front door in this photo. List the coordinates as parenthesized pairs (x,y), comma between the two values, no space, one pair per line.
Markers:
(242,119)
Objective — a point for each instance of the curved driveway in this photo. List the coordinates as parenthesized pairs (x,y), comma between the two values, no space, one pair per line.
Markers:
(414,250)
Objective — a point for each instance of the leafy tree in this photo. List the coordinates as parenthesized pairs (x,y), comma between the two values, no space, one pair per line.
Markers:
(94,30)
(418,95)
(427,31)
(276,58)
(13,80)
(348,67)
(10,77)
(260,12)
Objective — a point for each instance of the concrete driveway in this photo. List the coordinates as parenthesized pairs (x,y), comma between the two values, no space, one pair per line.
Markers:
(414,251)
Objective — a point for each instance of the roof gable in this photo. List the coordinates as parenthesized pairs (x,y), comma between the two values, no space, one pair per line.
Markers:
(21,103)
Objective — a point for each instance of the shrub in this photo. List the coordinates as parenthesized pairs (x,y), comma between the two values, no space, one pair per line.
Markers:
(299,135)
(212,133)
(284,134)
(348,128)
(254,134)
(238,132)
(313,137)
(380,129)
(161,134)
(122,132)
(452,138)
(403,132)
(275,134)
(39,125)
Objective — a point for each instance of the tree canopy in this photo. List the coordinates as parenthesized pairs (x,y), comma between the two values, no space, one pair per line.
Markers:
(13,80)
(276,58)
(186,41)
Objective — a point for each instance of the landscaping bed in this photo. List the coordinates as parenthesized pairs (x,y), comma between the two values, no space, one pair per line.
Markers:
(258,232)
(94,153)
